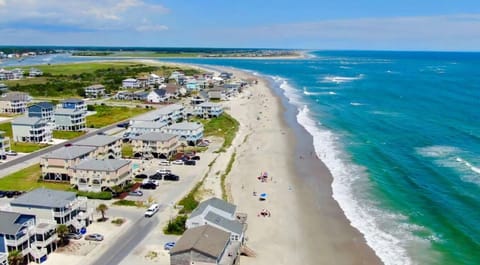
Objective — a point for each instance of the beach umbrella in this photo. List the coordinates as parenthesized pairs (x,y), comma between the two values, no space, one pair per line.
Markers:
(263,196)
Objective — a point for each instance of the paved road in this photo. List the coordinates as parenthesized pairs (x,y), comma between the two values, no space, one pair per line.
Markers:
(123,245)
(39,153)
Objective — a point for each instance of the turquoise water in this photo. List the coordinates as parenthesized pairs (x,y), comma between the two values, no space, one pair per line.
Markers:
(400,133)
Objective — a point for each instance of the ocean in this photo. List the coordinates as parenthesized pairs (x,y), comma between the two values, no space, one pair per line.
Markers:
(400,133)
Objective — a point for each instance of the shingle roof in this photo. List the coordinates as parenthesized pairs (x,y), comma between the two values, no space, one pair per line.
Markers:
(27,120)
(97,140)
(149,124)
(43,105)
(15,96)
(185,126)
(7,223)
(42,197)
(206,239)
(102,165)
(70,152)
(229,225)
(155,136)
(215,203)
(62,111)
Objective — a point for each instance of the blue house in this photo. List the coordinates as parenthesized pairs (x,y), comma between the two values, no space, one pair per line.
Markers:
(74,103)
(43,110)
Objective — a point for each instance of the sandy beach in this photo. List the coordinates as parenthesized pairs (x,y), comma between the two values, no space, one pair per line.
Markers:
(305,224)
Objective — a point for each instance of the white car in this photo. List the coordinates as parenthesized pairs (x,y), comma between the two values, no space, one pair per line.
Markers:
(178,162)
(164,171)
(152,210)
(164,163)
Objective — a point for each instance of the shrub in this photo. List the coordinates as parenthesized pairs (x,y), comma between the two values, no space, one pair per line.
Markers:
(176,226)
(118,221)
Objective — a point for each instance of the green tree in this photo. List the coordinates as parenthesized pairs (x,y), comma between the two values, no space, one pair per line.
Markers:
(15,257)
(62,231)
(102,208)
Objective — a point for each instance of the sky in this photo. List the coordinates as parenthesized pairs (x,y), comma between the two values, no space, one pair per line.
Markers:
(302,24)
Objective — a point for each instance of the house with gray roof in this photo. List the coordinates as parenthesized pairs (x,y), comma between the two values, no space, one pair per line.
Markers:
(208,110)
(31,129)
(217,213)
(101,175)
(95,91)
(189,132)
(138,128)
(56,163)
(33,238)
(204,245)
(14,102)
(42,110)
(156,144)
(70,119)
(59,207)
(158,95)
(107,147)
(169,114)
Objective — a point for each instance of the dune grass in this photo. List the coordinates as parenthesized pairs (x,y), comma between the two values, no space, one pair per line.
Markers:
(107,115)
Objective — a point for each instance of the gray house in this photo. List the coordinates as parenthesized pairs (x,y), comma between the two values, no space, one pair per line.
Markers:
(69,119)
(42,110)
(106,146)
(31,129)
(204,245)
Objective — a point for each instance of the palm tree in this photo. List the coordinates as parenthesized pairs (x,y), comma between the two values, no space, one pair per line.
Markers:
(102,208)
(62,231)
(15,257)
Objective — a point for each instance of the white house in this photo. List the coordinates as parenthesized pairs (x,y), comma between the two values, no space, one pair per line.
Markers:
(130,83)
(154,79)
(208,110)
(31,129)
(34,72)
(190,132)
(94,91)
(158,95)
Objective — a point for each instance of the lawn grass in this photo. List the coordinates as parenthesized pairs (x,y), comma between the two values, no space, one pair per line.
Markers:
(107,115)
(66,134)
(126,203)
(25,81)
(7,128)
(224,126)
(26,147)
(77,68)
(28,179)
(127,150)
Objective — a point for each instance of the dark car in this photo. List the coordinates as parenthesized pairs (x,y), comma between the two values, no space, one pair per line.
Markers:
(67,144)
(156,176)
(190,162)
(148,186)
(3,157)
(172,177)
(12,193)
(2,193)
(141,176)
(123,125)
(195,158)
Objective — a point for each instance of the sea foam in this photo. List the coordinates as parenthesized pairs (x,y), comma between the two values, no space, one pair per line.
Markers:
(386,233)
(340,79)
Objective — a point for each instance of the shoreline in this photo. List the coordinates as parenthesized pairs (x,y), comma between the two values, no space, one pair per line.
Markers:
(299,194)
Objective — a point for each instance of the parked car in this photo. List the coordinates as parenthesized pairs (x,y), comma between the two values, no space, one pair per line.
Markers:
(3,157)
(148,186)
(171,177)
(2,193)
(74,236)
(164,163)
(11,153)
(135,193)
(94,237)
(67,144)
(123,125)
(168,245)
(12,193)
(152,210)
(195,158)
(164,171)
(156,176)
(141,176)
(178,162)
(190,163)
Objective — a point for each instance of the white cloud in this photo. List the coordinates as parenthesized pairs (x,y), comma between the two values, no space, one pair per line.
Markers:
(3,3)
(143,28)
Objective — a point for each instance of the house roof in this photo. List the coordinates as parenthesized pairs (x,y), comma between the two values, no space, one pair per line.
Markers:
(130,80)
(229,225)
(205,239)
(15,96)
(171,88)
(154,76)
(73,100)
(97,86)
(24,120)
(8,223)
(185,126)
(70,152)
(47,198)
(97,140)
(209,104)
(43,105)
(149,125)
(215,203)
(62,111)
(154,136)
(160,91)
(102,165)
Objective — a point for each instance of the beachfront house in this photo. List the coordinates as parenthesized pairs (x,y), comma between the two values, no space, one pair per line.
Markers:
(95,91)
(106,146)
(130,83)
(4,144)
(14,102)
(31,129)
(217,93)
(226,75)
(124,95)
(204,245)
(139,128)
(56,163)
(217,213)
(42,110)
(174,90)
(70,115)
(59,207)
(158,95)
(189,132)
(156,144)
(100,175)
(33,238)
(169,114)
(140,95)
(34,72)
(154,79)
(142,81)
(208,110)
(176,75)
(17,74)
